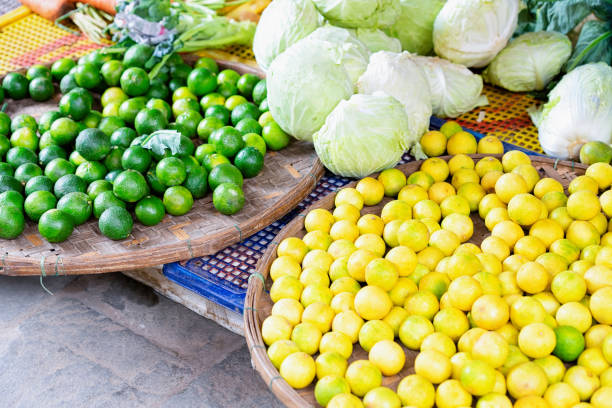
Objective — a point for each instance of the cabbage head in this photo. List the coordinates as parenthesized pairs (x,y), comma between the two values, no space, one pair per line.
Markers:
(454,88)
(472,32)
(414,26)
(359,13)
(305,83)
(354,53)
(283,23)
(579,110)
(376,40)
(529,61)
(362,135)
(398,76)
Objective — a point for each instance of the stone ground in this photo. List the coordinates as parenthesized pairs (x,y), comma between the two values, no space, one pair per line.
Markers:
(109,341)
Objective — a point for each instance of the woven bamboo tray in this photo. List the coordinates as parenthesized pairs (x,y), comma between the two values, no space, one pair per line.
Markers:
(258,304)
(287,178)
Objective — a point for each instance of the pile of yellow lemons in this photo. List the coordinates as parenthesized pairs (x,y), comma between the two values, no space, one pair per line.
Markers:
(522,319)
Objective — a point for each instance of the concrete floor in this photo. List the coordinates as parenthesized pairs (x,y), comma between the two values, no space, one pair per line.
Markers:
(109,341)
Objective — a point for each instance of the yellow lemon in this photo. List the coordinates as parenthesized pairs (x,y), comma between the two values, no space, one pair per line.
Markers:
(547,231)
(536,340)
(370,224)
(554,200)
(583,205)
(395,318)
(372,303)
(396,210)
(496,246)
(491,348)
(547,185)
(345,400)
(330,386)
(434,282)
(490,145)
(561,216)
(490,284)
(594,360)
(401,290)
(460,161)
(601,173)
(357,262)
(463,292)
(594,337)
(487,203)
(371,242)
(467,339)
(524,209)
(404,258)
(478,378)
(433,366)
(293,247)
(314,276)
(317,258)
(330,363)
(343,301)
(553,263)
(433,143)
(528,173)
(284,265)
(490,263)
(423,304)
(495,216)
(336,342)
(341,248)
(344,229)
(458,361)
(349,323)
(602,398)
(298,369)
(436,168)
(515,357)
(488,164)
(464,176)
(449,128)
(590,252)
(452,322)
(561,395)
(414,330)
(431,225)
(568,287)
(427,209)
(473,193)
(290,309)
(388,356)
(509,333)
(381,397)
(338,268)
(454,204)
(349,195)
(601,305)
(382,273)
(390,232)
(460,224)
(372,191)
(582,380)
(363,376)
(392,180)
(317,239)
(451,394)
(412,194)
(580,266)
(583,183)
(286,287)
(469,247)
(526,310)
(275,328)
(526,379)
(461,143)
(444,240)
(413,234)
(604,256)
(489,180)
(566,249)
(279,350)
(532,277)
(346,212)
(574,314)
(509,185)
(583,234)
(430,256)
(420,178)
(494,400)
(319,314)
(514,158)
(441,190)
(439,342)
(316,293)
(374,331)
(605,200)
(416,391)
(318,220)
(529,247)
(553,368)
(508,231)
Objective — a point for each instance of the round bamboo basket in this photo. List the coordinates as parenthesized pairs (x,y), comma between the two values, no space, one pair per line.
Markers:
(258,304)
(287,178)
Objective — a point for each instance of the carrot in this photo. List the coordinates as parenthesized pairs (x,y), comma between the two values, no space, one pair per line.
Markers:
(53,9)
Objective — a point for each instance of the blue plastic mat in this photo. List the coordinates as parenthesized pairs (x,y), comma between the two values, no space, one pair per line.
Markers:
(223,277)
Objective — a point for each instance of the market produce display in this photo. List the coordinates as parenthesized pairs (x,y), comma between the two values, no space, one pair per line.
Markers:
(520,319)
(138,153)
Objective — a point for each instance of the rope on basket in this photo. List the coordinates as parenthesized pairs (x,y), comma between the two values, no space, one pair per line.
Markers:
(555,165)
(60,263)
(239,232)
(3,268)
(276,377)
(43,274)
(188,243)
(258,275)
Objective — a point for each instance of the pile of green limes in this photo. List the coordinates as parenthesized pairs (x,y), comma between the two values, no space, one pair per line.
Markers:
(76,162)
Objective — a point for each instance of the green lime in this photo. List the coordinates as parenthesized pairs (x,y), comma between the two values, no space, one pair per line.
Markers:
(249,161)
(149,120)
(49,153)
(105,200)
(176,83)
(256,141)
(87,76)
(228,76)
(224,173)
(171,171)
(156,186)
(68,83)
(150,211)
(111,72)
(77,206)
(203,150)
(61,67)
(112,175)
(58,168)
(41,89)
(211,161)
(227,89)
(135,81)
(190,121)
(123,137)
(6,169)
(98,187)
(184,105)
(64,131)
(46,140)
(113,95)
(180,71)
(178,200)
(38,203)
(76,158)
(12,222)
(93,144)
(229,143)
(96,58)
(109,124)
(196,182)
(246,84)
(69,183)
(112,109)
(260,92)
(234,101)
(137,55)
(183,93)
(275,137)
(220,112)
(38,183)
(5,124)
(92,120)
(595,152)
(11,198)
(76,103)
(116,223)
(249,125)
(130,186)
(190,163)
(161,106)
(158,89)
(25,137)
(24,120)
(5,145)
(228,198)
(219,133)
(15,85)
(130,108)
(55,226)
(570,343)
(201,81)
(16,156)
(91,171)
(113,160)
(207,126)
(8,183)
(136,158)
(245,110)
(208,63)
(179,127)
(38,71)
(46,120)
(211,99)
(265,118)
(27,171)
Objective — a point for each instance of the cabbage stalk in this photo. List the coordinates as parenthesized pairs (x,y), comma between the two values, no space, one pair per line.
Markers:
(414,26)
(472,32)
(454,88)
(282,24)
(359,13)
(363,135)
(398,76)
(529,61)
(305,83)
(579,110)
